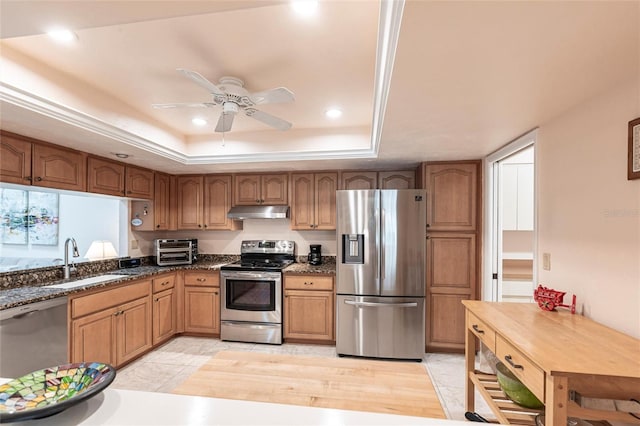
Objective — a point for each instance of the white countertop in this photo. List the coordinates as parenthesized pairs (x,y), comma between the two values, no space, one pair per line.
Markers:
(117,407)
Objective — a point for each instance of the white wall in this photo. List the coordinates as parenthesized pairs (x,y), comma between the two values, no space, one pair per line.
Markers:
(588,212)
(228,242)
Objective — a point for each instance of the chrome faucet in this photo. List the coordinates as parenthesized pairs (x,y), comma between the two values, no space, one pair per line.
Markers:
(67,269)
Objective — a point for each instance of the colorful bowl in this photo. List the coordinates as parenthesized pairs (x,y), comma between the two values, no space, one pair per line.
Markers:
(514,388)
(51,390)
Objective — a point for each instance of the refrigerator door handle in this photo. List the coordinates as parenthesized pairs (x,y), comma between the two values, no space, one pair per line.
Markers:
(382,251)
(375,304)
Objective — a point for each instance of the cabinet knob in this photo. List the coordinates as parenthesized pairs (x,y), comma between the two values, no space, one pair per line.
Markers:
(257,201)
(157,299)
(311,226)
(199,226)
(215,292)
(38,179)
(205,225)
(27,178)
(158,226)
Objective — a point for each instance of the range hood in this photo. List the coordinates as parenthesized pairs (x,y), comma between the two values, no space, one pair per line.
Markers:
(258,212)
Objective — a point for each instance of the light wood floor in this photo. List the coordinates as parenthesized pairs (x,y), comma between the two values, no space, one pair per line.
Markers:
(344,383)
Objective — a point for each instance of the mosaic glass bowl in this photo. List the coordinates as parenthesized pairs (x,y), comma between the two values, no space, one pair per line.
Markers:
(46,392)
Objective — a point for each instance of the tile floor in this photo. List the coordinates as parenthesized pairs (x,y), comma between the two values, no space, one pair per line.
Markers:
(167,366)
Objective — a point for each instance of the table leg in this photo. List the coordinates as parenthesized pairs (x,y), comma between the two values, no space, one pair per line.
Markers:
(556,400)
(470,364)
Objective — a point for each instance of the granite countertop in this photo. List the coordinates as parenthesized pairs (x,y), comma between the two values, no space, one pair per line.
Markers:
(39,290)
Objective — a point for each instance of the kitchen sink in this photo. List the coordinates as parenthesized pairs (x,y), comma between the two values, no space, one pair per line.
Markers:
(86,281)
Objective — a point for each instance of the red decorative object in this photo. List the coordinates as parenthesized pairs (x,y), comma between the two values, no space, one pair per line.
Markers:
(548,299)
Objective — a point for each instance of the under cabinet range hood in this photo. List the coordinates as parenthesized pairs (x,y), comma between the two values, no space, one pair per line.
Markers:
(258,212)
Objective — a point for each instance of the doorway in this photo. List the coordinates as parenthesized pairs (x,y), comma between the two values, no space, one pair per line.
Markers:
(510,243)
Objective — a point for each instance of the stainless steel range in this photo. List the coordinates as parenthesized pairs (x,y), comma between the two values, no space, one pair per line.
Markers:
(251,290)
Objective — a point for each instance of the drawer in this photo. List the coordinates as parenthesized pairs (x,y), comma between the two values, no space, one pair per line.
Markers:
(95,302)
(164,282)
(486,334)
(527,371)
(200,278)
(308,282)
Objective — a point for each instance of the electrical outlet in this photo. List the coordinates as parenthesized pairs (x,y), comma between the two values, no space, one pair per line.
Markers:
(546,261)
(134,244)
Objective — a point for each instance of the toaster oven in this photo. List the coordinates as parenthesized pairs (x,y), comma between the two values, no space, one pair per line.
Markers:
(176,252)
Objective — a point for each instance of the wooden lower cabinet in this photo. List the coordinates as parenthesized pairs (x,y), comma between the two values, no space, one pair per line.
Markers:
(114,335)
(309,308)
(112,326)
(202,302)
(164,315)
(451,278)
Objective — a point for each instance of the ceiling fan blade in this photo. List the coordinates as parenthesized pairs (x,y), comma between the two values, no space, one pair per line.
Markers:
(201,81)
(225,121)
(268,119)
(185,105)
(273,96)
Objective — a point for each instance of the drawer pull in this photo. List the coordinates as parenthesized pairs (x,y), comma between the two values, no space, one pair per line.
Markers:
(477,329)
(308,283)
(201,279)
(165,283)
(511,363)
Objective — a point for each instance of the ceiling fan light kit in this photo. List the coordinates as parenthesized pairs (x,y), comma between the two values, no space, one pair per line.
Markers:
(233,97)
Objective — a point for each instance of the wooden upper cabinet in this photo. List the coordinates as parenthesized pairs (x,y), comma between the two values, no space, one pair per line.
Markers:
(217,202)
(268,189)
(15,160)
(164,214)
(105,176)
(359,180)
(452,190)
(139,183)
(55,167)
(189,208)
(403,179)
(313,204)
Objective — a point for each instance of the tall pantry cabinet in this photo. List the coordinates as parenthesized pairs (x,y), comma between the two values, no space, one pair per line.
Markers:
(453,249)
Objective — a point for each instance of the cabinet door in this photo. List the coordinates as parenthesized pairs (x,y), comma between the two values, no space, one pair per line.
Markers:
(105,176)
(326,185)
(302,201)
(405,179)
(452,196)
(139,183)
(217,202)
(163,202)
(246,190)
(15,160)
(59,168)
(133,329)
(202,310)
(359,180)
(189,189)
(451,278)
(164,315)
(92,338)
(275,190)
(308,315)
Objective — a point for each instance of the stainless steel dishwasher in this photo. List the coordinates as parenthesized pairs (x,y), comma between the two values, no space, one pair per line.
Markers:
(32,337)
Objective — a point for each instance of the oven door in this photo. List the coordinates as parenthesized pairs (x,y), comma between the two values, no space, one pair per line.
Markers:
(254,296)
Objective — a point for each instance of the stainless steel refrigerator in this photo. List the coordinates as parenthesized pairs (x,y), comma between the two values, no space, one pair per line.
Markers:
(381,273)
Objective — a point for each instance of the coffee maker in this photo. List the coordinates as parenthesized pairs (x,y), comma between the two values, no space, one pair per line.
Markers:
(315,254)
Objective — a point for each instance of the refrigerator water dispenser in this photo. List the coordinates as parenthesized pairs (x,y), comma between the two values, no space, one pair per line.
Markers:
(353,248)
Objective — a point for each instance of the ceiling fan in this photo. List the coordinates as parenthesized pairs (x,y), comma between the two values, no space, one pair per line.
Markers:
(233,97)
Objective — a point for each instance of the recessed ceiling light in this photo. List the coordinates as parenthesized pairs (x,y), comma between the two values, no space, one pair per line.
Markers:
(62,35)
(333,113)
(304,7)
(199,121)
(121,155)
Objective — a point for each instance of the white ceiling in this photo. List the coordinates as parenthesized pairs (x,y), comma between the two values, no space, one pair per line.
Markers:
(468,77)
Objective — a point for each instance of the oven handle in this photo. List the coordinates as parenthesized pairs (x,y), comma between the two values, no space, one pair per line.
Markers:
(381,304)
(247,274)
(247,325)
